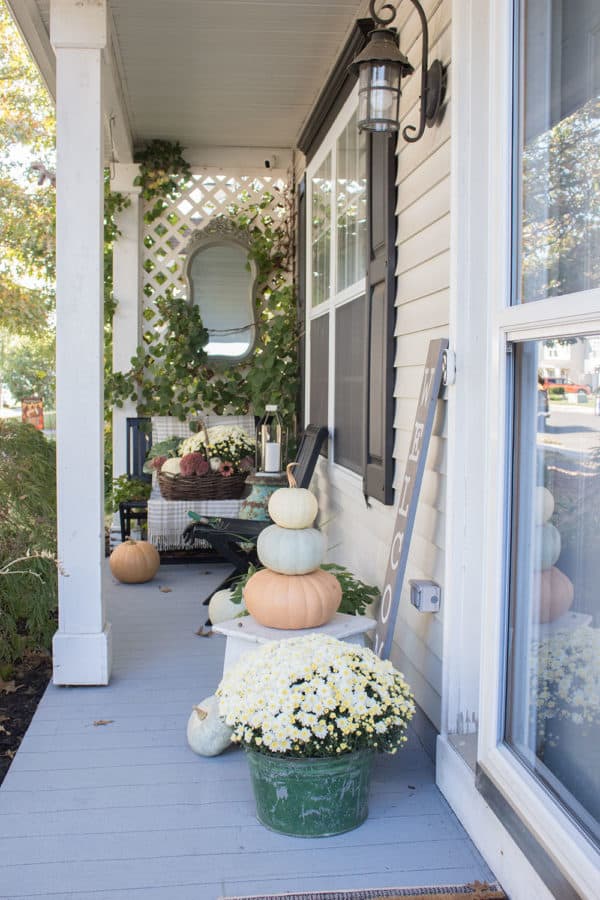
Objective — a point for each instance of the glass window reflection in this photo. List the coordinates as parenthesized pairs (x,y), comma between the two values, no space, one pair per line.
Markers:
(553,689)
(558,161)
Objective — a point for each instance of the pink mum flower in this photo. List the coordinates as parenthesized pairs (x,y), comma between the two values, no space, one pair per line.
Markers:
(194,464)
(226,469)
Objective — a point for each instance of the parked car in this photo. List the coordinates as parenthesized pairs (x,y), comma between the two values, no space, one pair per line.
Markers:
(569,387)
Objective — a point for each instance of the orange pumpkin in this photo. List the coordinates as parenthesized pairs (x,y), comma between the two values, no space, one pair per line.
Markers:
(134,562)
(555,594)
(292,601)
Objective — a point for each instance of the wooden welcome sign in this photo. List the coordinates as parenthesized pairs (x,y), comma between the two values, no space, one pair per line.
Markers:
(410,487)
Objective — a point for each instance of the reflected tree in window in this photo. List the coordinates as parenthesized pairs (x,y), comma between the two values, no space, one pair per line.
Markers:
(560,240)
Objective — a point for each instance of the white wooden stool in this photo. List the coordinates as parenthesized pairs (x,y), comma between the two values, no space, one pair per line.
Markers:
(245,635)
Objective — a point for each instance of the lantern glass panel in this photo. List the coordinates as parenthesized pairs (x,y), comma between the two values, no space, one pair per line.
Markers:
(379,96)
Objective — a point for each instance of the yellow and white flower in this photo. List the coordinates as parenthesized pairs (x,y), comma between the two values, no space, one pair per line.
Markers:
(315,696)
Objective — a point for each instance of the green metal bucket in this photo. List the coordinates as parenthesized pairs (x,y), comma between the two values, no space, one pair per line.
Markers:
(311,797)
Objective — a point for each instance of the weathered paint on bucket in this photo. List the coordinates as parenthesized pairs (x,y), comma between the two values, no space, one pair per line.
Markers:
(311,797)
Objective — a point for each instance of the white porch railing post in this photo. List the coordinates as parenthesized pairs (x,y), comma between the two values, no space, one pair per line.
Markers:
(78,32)
(127,289)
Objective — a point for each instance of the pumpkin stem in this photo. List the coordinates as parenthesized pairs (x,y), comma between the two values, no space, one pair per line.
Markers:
(202,714)
(290,475)
(130,540)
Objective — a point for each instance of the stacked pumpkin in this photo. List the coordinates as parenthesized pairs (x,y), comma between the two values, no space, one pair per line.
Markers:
(554,589)
(292,591)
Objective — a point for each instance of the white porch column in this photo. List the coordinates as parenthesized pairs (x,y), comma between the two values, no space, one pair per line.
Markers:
(78,30)
(127,289)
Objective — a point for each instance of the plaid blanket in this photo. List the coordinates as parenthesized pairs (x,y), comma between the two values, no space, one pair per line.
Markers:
(164,427)
(167,519)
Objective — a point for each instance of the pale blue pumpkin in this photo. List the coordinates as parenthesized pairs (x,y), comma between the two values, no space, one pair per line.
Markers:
(291,551)
(548,545)
(544,504)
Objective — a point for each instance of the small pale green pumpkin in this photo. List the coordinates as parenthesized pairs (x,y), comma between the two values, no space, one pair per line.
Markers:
(293,507)
(221,609)
(207,733)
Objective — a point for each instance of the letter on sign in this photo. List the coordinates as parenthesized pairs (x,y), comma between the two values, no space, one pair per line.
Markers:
(409,497)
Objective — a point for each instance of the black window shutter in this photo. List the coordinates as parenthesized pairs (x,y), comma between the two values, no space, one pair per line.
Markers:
(379,319)
(301,294)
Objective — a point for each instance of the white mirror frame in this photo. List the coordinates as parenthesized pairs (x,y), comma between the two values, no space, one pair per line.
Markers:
(219,233)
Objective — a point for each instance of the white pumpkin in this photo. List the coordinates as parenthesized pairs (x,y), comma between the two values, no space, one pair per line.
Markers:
(547,546)
(171,466)
(293,507)
(207,733)
(291,551)
(221,609)
(544,504)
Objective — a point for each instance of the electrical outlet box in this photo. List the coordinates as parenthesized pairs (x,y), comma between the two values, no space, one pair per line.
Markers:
(426,596)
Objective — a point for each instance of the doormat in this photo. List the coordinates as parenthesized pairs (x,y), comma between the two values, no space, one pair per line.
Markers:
(476,891)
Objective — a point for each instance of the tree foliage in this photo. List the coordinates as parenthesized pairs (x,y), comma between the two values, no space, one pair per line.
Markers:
(27,366)
(27,196)
(561,206)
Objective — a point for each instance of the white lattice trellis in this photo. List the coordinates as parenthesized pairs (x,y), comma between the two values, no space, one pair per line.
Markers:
(206,196)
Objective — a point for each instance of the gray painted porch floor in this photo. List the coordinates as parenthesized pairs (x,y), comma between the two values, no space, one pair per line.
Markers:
(126,810)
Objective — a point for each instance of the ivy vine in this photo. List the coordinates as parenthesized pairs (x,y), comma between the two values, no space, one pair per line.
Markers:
(170,372)
(163,173)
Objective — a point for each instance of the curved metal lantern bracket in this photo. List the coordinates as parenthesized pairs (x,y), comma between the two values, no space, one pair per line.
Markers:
(434,78)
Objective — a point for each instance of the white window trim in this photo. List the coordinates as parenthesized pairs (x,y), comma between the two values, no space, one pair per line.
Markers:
(340,476)
(482,325)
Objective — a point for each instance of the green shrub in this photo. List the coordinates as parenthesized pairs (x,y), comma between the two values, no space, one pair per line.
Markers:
(28,576)
(556,393)
(125,488)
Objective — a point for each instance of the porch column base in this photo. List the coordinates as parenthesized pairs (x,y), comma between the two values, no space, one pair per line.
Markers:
(82,659)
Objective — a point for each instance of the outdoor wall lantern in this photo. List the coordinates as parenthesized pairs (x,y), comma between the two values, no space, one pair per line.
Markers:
(381,66)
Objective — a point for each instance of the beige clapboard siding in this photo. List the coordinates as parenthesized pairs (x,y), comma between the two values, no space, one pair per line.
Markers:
(428,243)
(427,208)
(429,311)
(431,170)
(430,277)
(357,536)
(423,277)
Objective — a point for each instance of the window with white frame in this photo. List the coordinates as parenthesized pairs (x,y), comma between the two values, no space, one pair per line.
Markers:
(552,682)
(336,287)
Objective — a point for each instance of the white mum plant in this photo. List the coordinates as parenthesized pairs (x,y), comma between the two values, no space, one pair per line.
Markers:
(565,676)
(315,696)
(233,436)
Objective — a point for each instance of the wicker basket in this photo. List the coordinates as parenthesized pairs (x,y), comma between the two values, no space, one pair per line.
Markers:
(201,487)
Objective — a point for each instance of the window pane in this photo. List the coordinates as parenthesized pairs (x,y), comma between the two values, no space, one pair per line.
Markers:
(553,690)
(320,217)
(349,384)
(558,228)
(351,205)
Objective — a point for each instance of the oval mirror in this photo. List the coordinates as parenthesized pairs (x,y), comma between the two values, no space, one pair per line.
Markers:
(222,283)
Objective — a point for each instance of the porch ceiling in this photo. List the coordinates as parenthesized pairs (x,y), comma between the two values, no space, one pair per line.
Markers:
(224,73)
